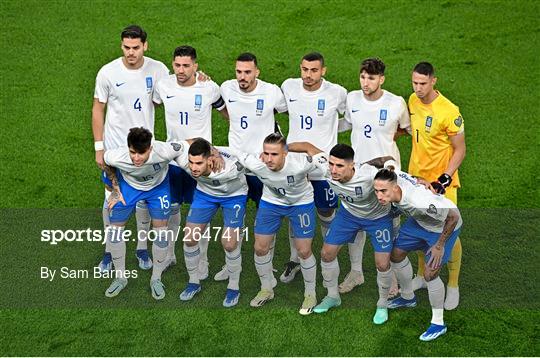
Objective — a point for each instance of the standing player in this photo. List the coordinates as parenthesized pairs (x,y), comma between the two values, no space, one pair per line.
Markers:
(433,226)
(142,170)
(286,193)
(125,86)
(251,105)
(226,189)
(438,149)
(375,116)
(314,105)
(188,106)
(359,211)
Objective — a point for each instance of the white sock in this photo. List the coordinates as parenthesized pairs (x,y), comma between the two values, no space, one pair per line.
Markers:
(356,251)
(309,271)
(404,272)
(192,257)
(384,281)
(271,251)
(143,225)
(233,261)
(203,245)
(330,274)
(118,250)
(159,252)
(263,264)
(106,218)
(436,299)
(173,225)
(292,246)
(325,222)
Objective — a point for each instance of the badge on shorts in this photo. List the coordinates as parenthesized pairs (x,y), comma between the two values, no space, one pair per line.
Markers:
(290,179)
(458,121)
(176,146)
(429,121)
(260,107)
(157,167)
(432,209)
(321,105)
(198,102)
(382,117)
(149,84)
(358,191)
(216,182)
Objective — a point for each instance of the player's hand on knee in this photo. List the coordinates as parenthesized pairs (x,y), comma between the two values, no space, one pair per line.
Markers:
(115,197)
(437,253)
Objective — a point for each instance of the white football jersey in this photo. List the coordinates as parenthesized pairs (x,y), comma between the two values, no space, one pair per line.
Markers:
(313,115)
(188,110)
(357,195)
(128,95)
(153,172)
(231,181)
(374,124)
(427,209)
(251,114)
(290,185)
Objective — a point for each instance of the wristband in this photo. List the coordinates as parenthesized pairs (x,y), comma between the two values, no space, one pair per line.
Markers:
(98,146)
(445,180)
(390,163)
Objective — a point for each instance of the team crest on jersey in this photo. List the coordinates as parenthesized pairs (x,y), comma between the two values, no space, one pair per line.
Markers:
(290,179)
(198,102)
(358,191)
(322,160)
(458,121)
(432,209)
(239,166)
(309,159)
(382,117)
(157,167)
(216,182)
(149,84)
(176,146)
(321,105)
(429,122)
(260,107)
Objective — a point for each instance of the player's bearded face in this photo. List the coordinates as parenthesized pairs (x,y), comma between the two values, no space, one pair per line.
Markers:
(422,84)
(246,75)
(133,50)
(384,191)
(311,72)
(198,165)
(274,156)
(184,69)
(340,169)
(137,158)
(370,83)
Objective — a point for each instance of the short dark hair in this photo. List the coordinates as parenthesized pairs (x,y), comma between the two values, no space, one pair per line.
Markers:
(373,66)
(247,57)
(314,56)
(139,139)
(186,51)
(200,146)
(134,32)
(386,175)
(424,68)
(275,138)
(342,151)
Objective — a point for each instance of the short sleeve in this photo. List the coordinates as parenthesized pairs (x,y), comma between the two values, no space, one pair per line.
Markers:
(101,92)
(348,109)
(156,97)
(280,102)
(342,98)
(404,118)
(455,123)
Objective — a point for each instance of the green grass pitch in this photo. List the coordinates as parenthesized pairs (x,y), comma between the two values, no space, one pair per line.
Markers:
(486,55)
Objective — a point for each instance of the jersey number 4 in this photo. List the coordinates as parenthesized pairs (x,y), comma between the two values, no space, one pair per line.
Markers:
(137,104)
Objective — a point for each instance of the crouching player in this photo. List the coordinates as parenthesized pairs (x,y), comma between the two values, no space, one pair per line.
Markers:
(142,174)
(226,189)
(359,211)
(434,224)
(286,193)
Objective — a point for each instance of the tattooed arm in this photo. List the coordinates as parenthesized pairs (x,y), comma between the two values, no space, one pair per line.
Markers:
(116,195)
(437,250)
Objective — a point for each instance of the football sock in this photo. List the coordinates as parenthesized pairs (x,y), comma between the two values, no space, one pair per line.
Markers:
(356,251)
(106,220)
(309,271)
(384,281)
(203,245)
(403,271)
(436,299)
(233,261)
(263,264)
(159,252)
(143,225)
(117,249)
(294,253)
(173,225)
(454,264)
(192,257)
(325,222)
(330,274)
